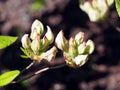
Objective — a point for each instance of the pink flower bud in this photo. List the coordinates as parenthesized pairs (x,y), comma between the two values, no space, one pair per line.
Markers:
(25,41)
(61,41)
(72,47)
(37,28)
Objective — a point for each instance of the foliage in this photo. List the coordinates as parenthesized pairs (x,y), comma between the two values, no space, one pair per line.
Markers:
(8,77)
(37,4)
(5,41)
(117,3)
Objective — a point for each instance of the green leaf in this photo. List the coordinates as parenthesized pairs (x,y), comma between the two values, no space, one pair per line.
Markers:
(117,3)
(37,4)
(24,56)
(7,77)
(6,41)
(25,51)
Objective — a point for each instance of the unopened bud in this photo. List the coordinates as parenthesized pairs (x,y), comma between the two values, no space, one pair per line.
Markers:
(35,45)
(79,37)
(94,8)
(80,60)
(72,47)
(61,41)
(81,48)
(44,43)
(91,46)
(49,35)
(50,54)
(37,28)
(25,41)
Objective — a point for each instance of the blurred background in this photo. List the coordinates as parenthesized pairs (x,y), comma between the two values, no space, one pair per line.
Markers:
(101,72)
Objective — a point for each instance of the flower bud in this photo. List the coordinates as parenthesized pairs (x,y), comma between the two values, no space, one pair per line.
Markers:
(44,43)
(68,60)
(50,54)
(35,45)
(37,28)
(49,35)
(72,47)
(79,37)
(61,41)
(80,60)
(91,46)
(94,8)
(25,41)
(81,48)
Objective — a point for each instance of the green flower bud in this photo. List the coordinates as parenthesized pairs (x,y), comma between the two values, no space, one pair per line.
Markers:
(37,28)
(26,41)
(49,35)
(35,45)
(50,54)
(61,41)
(79,37)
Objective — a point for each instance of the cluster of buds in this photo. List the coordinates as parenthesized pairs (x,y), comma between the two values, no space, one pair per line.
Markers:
(35,46)
(75,51)
(97,10)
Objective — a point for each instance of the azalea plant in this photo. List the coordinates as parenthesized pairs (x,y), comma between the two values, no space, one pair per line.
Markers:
(37,47)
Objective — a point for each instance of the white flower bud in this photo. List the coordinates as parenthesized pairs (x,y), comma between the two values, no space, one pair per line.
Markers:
(81,48)
(37,28)
(80,60)
(61,41)
(49,35)
(35,45)
(94,8)
(25,41)
(91,45)
(50,54)
(44,43)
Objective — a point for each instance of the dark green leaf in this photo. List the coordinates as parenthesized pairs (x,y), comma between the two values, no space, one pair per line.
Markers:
(117,3)
(5,41)
(7,77)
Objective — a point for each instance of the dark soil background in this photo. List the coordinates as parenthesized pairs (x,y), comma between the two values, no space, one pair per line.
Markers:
(101,72)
